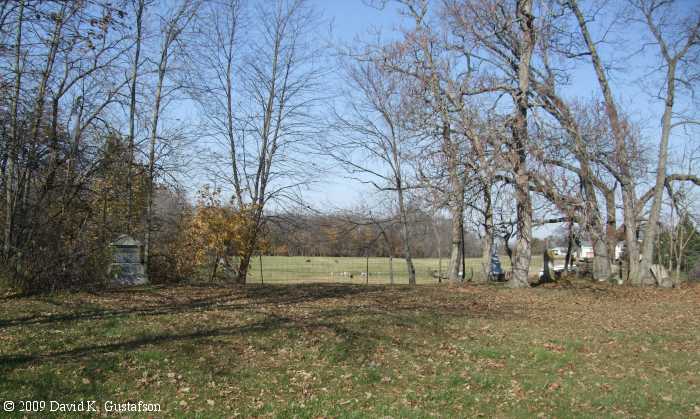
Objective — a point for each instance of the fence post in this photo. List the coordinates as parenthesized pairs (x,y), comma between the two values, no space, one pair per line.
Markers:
(367,268)
(391,269)
(262,280)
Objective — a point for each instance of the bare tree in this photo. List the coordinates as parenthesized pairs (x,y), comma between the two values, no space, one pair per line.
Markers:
(526,46)
(679,47)
(672,55)
(421,56)
(172,27)
(260,110)
(13,141)
(140,6)
(502,36)
(372,141)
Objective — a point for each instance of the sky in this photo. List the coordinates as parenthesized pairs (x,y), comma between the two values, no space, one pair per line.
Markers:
(354,18)
(348,20)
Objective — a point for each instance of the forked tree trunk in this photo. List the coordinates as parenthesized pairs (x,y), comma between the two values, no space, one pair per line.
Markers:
(248,248)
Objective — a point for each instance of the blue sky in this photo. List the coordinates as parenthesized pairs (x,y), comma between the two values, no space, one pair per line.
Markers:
(351,19)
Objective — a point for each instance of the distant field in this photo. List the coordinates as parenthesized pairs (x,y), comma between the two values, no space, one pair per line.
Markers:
(293,269)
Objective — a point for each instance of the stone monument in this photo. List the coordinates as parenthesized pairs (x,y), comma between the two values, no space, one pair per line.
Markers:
(127,266)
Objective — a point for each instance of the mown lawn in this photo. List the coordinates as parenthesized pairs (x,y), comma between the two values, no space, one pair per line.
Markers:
(342,350)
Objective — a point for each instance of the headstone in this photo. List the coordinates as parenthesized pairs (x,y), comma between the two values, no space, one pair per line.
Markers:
(495,270)
(127,266)
(663,279)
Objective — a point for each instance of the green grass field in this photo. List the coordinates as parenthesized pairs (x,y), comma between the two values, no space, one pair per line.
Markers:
(356,351)
(350,270)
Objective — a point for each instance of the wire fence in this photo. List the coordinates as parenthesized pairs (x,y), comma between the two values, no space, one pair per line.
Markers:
(358,270)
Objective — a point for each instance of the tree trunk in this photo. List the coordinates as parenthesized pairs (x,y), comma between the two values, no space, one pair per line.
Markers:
(611,225)
(652,226)
(522,254)
(521,264)
(620,137)
(249,248)
(132,117)
(487,244)
(602,270)
(456,211)
(569,249)
(631,243)
(391,270)
(162,67)
(214,268)
(243,266)
(404,233)
(13,141)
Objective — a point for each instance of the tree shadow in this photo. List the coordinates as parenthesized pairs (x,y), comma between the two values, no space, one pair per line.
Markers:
(215,295)
(349,319)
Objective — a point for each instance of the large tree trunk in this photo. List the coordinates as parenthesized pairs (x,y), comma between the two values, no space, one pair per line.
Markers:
(602,271)
(248,248)
(522,254)
(521,264)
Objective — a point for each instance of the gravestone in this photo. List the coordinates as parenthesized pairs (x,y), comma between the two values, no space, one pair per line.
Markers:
(663,279)
(127,266)
(496,272)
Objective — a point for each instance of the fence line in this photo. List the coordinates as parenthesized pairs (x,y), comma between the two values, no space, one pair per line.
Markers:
(376,270)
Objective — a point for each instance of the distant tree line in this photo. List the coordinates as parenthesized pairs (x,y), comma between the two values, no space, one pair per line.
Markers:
(353,235)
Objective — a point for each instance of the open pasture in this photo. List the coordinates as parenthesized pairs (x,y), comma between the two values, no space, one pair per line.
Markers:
(350,270)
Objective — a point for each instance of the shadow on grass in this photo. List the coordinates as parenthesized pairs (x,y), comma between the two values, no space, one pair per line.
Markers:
(352,320)
(325,321)
(225,298)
